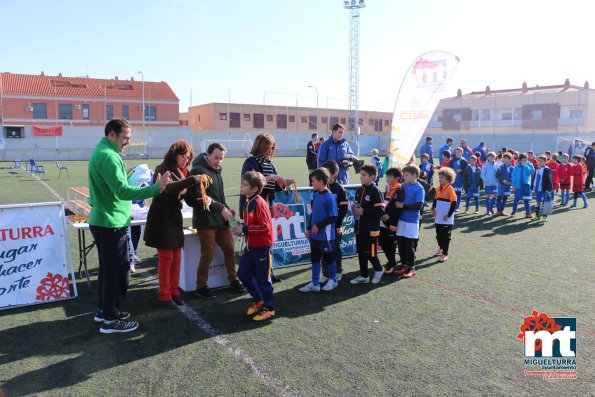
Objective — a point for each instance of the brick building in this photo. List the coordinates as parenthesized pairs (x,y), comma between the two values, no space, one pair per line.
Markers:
(40,100)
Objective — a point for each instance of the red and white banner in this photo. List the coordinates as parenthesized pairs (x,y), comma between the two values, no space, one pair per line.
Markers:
(47,131)
(33,262)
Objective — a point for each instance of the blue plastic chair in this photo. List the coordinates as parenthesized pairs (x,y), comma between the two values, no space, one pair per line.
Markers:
(35,168)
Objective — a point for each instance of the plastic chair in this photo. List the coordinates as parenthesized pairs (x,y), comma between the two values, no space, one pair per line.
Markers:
(17,164)
(62,168)
(35,168)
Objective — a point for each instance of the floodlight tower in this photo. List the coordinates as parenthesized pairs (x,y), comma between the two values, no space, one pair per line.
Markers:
(353,111)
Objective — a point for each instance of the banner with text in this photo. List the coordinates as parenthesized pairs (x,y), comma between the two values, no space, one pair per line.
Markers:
(47,131)
(33,266)
(290,220)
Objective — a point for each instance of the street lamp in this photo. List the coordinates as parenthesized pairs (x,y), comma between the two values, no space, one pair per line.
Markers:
(143,77)
(317,117)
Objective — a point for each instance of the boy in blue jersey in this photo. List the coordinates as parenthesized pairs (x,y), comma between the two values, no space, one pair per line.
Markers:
(490,182)
(321,231)
(408,226)
(471,183)
(542,185)
(458,164)
(521,181)
(367,210)
(504,176)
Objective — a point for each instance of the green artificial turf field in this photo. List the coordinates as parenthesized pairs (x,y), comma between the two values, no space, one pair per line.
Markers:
(451,330)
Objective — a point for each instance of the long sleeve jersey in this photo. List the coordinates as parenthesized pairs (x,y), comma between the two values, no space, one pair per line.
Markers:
(370,200)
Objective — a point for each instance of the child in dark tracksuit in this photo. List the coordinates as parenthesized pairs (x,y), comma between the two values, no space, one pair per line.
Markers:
(256,263)
(472,183)
(367,210)
(388,222)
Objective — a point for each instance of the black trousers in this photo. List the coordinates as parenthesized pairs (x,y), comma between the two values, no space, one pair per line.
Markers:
(443,233)
(367,250)
(114,269)
(589,178)
(388,242)
(337,256)
(407,250)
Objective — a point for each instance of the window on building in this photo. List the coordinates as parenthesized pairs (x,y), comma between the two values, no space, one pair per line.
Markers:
(269,117)
(457,117)
(246,116)
(125,112)
(387,123)
(312,122)
(234,120)
(258,120)
(40,110)
(292,119)
(222,116)
(507,116)
(86,112)
(150,113)
(517,114)
(65,111)
(361,122)
(486,115)
(324,120)
(536,114)
(333,120)
(282,121)
(378,125)
(475,115)
(370,121)
(109,112)
(343,120)
(304,119)
(576,114)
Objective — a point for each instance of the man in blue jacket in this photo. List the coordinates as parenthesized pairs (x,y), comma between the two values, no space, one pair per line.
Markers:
(427,149)
(447,146)
(338,150)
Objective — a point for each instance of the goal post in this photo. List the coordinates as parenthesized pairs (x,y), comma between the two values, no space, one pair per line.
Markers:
(235,147)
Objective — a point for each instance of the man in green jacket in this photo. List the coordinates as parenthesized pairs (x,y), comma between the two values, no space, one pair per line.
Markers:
(111,198)
(212,223)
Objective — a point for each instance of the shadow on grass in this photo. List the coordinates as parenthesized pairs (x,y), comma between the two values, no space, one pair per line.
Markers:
(70,350)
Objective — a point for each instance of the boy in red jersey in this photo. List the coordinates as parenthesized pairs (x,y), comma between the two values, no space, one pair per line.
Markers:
(578,171)
(257,263)
(565,179)
(553,165)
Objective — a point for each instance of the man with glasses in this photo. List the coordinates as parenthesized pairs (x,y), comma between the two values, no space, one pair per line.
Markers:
(111,198)
(337,149)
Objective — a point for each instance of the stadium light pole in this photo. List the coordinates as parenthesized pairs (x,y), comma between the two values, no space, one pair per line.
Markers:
(143,115)
(317,108)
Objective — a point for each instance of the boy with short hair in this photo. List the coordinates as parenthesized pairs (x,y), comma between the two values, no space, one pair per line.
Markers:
(342,206)
(490,182)
(504,176)
(553,165)
(427,168)
(521,181)
(578,171)
(443,210)
(445,159)
(542,186)
(408,225)
(458,164)
(388,222)
(367,210)
(376,161)
(256,263)
(564,173)
(321,231)
(471,183)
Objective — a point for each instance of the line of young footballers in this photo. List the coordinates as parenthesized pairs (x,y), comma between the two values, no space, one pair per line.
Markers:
(392,220)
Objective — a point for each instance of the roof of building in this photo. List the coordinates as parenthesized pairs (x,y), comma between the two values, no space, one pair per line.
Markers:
(524,90)
(84,87)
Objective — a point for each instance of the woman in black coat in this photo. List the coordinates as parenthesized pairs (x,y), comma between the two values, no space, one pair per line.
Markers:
(164,221)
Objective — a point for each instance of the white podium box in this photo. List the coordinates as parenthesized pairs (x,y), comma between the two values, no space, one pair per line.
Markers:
(189,265)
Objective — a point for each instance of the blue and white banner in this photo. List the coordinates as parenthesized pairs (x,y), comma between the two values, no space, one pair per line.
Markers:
(290,220)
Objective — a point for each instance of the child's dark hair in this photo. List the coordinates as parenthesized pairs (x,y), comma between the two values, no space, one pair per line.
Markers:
(447,173)
(394,172)
(446,153)
(507,156)
(321,174)
(255,179)
(411,169)
(523,156)
(474,157)
(370,169)
(331,166)
(577,157)
(542,158)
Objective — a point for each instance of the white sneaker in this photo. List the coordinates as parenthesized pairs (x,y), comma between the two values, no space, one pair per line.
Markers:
(377,277)
(360,280)
(310,288)
(330,285)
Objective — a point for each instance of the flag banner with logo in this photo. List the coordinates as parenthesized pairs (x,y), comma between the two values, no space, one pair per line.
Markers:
(33,261)
(422,88)
(290,220)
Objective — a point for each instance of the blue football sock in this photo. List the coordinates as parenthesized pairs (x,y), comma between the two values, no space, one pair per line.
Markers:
(316,273)
(515,204)
(527,207)
(584,199)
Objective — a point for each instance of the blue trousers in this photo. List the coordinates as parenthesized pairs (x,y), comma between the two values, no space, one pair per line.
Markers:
(254,271)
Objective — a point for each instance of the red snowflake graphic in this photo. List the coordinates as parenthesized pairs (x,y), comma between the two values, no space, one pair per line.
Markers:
(538,322)
(53,286)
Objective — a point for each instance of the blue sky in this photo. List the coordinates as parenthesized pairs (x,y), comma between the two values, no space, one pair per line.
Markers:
(270,51)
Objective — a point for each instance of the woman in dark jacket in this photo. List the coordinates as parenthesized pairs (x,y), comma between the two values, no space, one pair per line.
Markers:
(261,160)
(164,221)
